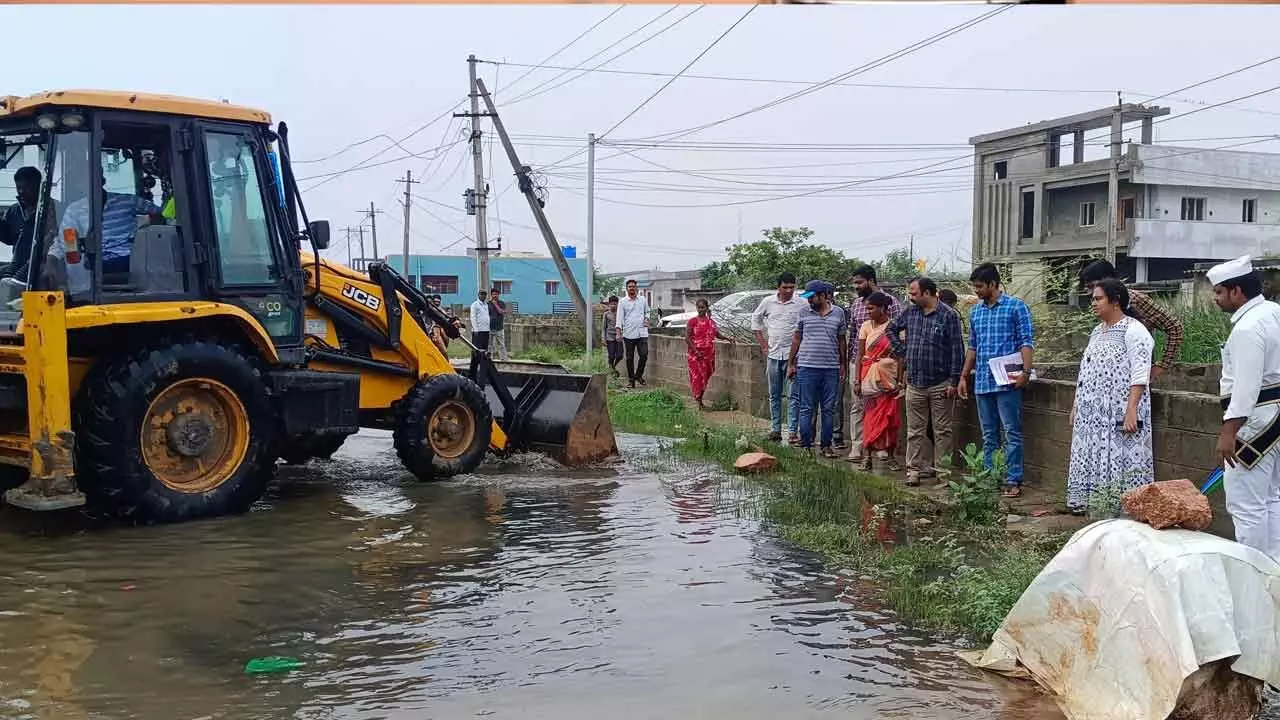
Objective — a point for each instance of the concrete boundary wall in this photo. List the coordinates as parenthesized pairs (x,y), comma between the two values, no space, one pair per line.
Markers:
(1185,412)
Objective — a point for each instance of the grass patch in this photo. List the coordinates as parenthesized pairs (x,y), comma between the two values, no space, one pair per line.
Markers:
(572,358)
(951,570)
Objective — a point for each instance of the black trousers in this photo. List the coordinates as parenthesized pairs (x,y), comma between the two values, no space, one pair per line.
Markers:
(481,341)
(639,346)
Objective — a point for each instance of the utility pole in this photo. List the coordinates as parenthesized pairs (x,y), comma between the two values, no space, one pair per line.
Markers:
(481,191)
(1113,181)
(535,206)
(348,229)
(373,228)
(362,258)
(591,240)
(407,180)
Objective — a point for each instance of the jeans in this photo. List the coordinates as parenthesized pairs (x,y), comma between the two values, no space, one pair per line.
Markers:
(997,410)
(818,390)
(776,372)
(639,346)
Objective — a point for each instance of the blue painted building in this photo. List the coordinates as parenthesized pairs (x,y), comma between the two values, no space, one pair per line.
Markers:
(532,282)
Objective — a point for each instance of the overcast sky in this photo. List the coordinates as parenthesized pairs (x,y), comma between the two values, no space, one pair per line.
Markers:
(341,75)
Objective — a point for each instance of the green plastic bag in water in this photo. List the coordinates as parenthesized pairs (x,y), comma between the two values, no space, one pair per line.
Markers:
(263,665)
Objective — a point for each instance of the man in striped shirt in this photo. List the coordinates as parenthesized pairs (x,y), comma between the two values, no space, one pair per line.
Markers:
(120,213)
(1151,314)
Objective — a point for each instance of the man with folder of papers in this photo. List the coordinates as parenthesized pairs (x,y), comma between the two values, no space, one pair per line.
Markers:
(1000,331)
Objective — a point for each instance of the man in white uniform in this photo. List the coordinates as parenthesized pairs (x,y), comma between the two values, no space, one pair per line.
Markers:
(479,327)
(1249,442)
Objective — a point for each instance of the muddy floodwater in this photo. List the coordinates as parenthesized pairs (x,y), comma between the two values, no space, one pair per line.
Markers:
(523,591)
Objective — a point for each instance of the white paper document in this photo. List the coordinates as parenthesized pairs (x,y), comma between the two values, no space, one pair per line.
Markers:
(1008,368)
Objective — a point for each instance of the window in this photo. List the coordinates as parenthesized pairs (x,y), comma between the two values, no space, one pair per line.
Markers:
(1088,213)
(1249,210)
(1002,170)
(440,284)
(502,286)
(1028,215)
(239,212)
(552,287)
(1193,208)
(1126,211)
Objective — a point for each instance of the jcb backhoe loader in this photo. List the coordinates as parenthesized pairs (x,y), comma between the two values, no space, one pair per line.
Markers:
(168,328)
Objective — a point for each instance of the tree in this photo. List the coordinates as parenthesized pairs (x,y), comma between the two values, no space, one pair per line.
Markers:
(606,285)
(757,264)
(897,265)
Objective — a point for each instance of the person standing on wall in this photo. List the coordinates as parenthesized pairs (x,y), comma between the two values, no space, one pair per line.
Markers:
(1152,315)
(1249,440)
(864,284)
(818,364)
(612,345)
(999,325)
(633,328)
(774,325)
(497,335)
(479,328)
(1111,412)
(934,354)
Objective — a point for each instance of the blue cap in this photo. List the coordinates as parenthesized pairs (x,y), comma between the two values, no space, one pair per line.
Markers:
(813,287)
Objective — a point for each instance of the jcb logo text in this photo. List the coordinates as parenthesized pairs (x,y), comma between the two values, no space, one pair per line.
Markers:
(362,297)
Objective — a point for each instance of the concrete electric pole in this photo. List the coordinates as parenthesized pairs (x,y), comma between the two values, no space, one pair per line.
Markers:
(408,181)
(480,190)
(591,240)
(526,185)
(1113,181)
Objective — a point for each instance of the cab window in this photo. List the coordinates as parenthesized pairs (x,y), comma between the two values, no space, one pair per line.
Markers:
(241,226)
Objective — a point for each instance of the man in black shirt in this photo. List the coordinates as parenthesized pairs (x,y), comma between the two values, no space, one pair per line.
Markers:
(18,224)
(497,336)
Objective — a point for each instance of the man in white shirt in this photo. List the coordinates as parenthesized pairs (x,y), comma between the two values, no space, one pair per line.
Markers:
(774,324)
(479,326)
(1249,441)
(633,327)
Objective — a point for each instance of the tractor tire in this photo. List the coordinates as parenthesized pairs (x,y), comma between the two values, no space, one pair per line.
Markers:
(320,448)
(175,432)
(443,427)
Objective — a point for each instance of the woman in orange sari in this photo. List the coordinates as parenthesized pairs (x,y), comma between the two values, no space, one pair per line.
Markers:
(700,336)
(878,385)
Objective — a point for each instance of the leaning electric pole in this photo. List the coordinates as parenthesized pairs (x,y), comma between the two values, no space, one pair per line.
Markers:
(408,181)
(526,185)
(480,191)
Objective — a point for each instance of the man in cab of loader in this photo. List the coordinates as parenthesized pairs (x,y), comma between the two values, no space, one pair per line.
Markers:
(18,222)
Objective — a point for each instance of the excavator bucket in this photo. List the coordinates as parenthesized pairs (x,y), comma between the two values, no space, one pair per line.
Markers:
(560,414)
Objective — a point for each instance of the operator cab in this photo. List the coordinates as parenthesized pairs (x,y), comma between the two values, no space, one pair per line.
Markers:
(155,204)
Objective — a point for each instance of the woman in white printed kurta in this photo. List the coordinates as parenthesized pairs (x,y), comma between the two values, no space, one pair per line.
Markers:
(1111,417)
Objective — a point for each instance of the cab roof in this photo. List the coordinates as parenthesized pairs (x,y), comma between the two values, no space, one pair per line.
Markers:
(14,105)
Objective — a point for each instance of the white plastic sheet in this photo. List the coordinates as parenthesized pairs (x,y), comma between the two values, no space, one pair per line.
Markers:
(1124,613)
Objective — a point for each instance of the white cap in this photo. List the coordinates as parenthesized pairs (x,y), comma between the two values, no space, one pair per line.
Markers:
(1230,270)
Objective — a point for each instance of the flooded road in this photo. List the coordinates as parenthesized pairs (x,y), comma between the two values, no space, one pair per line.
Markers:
(519,592)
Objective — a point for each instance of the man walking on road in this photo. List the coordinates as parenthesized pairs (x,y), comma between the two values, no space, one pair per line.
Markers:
(1151,314)
(934,353)
(633,327)
(999,325)
(1250,387)
(497,335)
(864,284)
(774,325)
(479,327)
(818,361)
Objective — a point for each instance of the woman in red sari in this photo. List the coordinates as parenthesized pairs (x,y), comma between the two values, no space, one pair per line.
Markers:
(878,385)
(700,336)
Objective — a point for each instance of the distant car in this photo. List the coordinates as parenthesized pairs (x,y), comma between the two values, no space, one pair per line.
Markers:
(731,312)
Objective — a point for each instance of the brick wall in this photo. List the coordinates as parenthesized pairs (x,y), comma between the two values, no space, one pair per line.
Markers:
(1184,412)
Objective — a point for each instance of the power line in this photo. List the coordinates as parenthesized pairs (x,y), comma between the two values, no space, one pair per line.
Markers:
(675,77)
(564,47)
(364,164)
(884,60)
(535,90)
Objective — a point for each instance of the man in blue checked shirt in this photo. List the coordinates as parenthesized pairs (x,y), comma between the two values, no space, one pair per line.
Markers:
(999,325)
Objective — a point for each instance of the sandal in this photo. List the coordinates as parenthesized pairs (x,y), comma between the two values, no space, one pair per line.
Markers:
(829,453)
(1012,491)
(893,464)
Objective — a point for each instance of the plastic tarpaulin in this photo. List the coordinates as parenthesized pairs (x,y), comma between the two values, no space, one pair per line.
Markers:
(1124,613)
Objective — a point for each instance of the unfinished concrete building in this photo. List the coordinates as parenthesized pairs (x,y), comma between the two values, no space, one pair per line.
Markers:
(1055,194)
